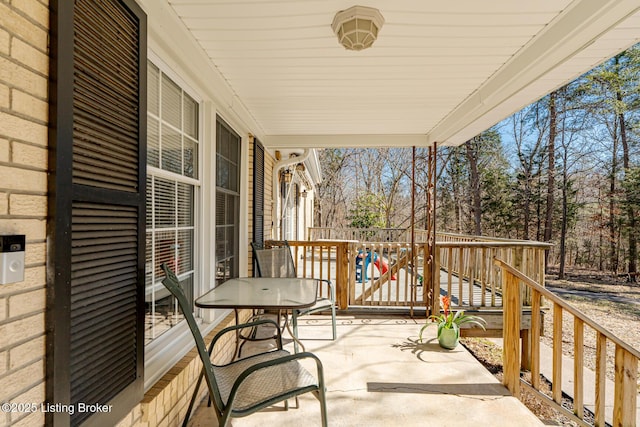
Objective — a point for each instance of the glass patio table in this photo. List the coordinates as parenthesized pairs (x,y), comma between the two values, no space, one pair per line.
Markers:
(257,293)
(268,293)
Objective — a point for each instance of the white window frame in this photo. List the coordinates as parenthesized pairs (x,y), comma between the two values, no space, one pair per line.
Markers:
(166,350)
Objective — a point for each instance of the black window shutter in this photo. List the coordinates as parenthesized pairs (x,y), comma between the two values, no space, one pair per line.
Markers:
(258,192)
(96,229)
(258,197)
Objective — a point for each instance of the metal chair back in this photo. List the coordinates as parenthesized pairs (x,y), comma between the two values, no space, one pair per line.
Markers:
(275,261)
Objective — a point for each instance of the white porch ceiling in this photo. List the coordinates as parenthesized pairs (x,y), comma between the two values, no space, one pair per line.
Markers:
(440,71)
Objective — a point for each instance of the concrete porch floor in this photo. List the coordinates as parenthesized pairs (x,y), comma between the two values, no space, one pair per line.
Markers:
(378,374)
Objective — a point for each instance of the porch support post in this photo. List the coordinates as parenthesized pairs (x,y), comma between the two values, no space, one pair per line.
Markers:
(431,273)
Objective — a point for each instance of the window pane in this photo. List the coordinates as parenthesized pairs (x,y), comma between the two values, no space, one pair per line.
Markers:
(185,251)
(148,277)
(165,203)
(153,89)
(190,117)
(190,158)
(220,243)
(223,271)
(149,201)
(171,150)
(165,251)
(222,173)
(231,210)
(233,177)
(185,205)
(153,142)
(221,208)
(230,244)
(171,102)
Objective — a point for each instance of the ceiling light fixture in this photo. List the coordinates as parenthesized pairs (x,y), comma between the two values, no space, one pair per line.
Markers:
(357,27)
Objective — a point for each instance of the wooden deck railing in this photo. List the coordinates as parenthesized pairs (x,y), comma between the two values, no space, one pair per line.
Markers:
(329,260)
(465,260)
(625,364)
(389,275)
(367,234)
(365,274)
(392,274)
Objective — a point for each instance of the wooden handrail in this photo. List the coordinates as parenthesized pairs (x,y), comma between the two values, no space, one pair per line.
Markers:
(567,307)
(489,244)
(626,357)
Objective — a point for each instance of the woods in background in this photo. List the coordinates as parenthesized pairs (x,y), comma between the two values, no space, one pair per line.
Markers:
(565,169)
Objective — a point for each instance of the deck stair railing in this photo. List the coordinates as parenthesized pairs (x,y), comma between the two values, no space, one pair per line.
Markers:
(625,365)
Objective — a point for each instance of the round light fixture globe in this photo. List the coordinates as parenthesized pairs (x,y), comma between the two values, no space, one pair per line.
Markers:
(357,27)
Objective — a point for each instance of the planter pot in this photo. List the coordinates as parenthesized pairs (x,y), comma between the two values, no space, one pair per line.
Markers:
(448,338)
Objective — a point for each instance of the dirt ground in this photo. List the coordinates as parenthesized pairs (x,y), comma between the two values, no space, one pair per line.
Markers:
(612,302)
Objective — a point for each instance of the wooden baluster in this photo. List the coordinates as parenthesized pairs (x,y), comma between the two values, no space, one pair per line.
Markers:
(449,272)
(435,278)
(557,354)
(578,367)
(313,261)
(322,248)
(535,340)
(460,275)
(483,277)
(493,278)
(472,276)
(351,262)
(601,378)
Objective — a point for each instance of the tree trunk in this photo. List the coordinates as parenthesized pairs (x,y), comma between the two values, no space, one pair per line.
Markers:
(563,227)
(476,205)
(551,170)
(631,212)
(613,255)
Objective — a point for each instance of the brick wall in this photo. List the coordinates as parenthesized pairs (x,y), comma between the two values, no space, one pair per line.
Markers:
(23,203)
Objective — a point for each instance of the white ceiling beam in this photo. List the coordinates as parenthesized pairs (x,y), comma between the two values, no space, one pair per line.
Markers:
(563,39)
(343,141)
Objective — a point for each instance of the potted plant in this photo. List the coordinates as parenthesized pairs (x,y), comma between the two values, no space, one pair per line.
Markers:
(449,324)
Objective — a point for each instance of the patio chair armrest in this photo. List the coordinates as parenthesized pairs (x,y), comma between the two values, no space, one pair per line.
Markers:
(275,362)
(332,289)
(253,324)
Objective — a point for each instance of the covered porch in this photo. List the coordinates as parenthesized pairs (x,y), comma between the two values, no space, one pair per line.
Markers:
(378,374)
(263,77)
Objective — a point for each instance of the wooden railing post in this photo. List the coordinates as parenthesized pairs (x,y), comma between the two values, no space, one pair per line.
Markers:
(351,255)
(511,333)
(625,394)
(342,285)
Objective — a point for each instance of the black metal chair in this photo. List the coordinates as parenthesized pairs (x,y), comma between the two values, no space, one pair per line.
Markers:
(277,261)
(248,385)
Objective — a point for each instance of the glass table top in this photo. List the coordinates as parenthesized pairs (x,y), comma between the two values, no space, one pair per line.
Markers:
(261,292)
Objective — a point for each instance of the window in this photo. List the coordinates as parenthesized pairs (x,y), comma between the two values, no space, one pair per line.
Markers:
(172,189)
(228,145)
